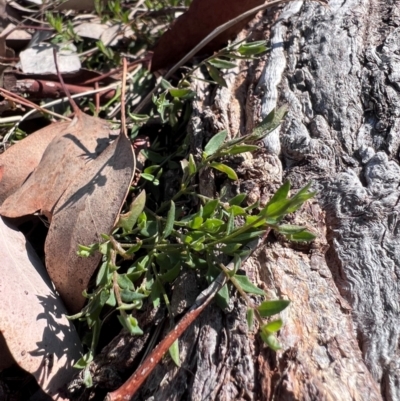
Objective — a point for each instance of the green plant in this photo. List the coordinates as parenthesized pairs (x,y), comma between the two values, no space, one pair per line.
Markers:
(161,241)
(64,29)
(173,102)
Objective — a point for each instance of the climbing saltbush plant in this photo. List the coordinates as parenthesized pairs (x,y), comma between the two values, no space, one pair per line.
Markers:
(149,248)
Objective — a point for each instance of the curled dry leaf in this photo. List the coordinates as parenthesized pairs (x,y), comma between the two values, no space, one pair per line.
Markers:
(89,208)
(32,317)
(194,25)
(18,162)
(66,155)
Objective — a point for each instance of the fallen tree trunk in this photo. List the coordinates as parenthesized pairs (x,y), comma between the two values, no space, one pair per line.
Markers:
(337,69)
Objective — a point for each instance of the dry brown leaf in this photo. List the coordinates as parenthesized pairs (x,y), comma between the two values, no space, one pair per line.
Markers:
(67,154)
(32,317)
(88,209)
(21,159)
(194,25)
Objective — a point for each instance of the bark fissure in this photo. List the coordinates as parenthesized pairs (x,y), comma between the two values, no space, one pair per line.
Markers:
(341,85)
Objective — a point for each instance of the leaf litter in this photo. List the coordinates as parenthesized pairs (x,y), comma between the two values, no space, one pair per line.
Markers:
(69,152)
(89,208)
(80,185)
(39,337)
(21,159)
(76,176)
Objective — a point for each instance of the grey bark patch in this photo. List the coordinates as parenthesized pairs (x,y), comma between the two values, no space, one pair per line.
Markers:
(341,84)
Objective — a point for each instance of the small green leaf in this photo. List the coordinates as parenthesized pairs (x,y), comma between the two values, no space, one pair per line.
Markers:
(272,327)
(127,221)
(238,199)
(297,200)
(245,237)
(253,48)
(276,210)
(196,223)
(289,229)
(270,308)
(281,194)
(174,353)
(238,149)
(222,297)
(169,225)
(134,273)
(152,169)
(137,304)
(84,361)
(103,274)
(216,76)
(231,248)
(220,63)
(155,294)
(130,324)
(86,251)
(150,229)
(236,210)
(247,286)
(215,143)
(271,341)
(225,169)
(251,220)
(230,225)
(111,301)
(165,84)
(250,318)
(139,118)
(237,263)
(192,165)
(143,262)
(212,225)
(150,177)
(171,274)
(124,282)
(134,248)
(152,156)
(302,236)
(181,93)
(104,248)
(269,123)
(209,208)
(87,378)
(129,296)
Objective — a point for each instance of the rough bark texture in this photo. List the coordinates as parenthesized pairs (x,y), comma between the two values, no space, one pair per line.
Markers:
(337,68)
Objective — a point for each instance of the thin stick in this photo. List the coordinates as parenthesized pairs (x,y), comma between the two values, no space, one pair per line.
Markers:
(123,93)
(19,99)
(117,70)
(129,388)
(67,92)
(19,119)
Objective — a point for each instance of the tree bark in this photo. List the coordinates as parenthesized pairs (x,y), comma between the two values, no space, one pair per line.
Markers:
(337,69)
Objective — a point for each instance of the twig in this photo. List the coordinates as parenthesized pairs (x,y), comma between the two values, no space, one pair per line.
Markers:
(19,99)
(129,388)
(72,102)
(123,93)
(131,66)
(50,104)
